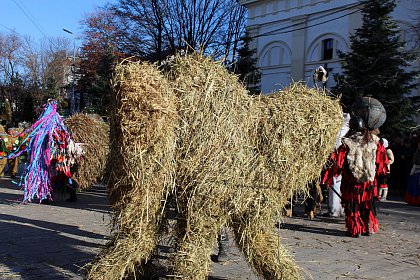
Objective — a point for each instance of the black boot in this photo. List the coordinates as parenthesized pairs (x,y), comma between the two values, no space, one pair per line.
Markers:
(223,242)
(45,201)
(367,233)
(73,196)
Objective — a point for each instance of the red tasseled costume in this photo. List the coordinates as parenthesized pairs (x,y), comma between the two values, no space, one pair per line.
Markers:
(358,198)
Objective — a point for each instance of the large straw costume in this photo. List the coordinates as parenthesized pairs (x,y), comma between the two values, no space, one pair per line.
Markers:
(93,133)
(226,158)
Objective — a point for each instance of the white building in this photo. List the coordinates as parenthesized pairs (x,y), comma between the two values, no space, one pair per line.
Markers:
(294,37)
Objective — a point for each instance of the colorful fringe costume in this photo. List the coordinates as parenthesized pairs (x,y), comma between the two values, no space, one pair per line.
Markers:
(50,153)
(359,163)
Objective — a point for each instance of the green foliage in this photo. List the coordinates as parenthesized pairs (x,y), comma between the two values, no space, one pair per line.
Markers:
(376,66)
(52,89)
(246,66)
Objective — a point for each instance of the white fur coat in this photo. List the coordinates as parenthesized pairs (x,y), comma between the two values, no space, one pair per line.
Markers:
(362,157)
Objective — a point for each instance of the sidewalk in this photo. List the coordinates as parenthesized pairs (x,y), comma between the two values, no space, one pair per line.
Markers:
(49,241)
(55,241)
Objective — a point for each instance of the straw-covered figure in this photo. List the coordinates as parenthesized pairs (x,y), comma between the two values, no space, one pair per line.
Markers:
(196,137)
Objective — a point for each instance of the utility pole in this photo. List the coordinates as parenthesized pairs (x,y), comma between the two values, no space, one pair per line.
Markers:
(73,70)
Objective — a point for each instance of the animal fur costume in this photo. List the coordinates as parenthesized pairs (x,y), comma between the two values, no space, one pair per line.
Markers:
(358,160)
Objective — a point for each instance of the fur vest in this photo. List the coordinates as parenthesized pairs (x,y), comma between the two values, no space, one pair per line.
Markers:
(362,157)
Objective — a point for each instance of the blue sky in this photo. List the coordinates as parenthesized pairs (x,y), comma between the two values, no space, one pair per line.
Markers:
(51,16)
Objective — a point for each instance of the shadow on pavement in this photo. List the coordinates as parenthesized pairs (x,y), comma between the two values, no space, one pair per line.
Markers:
(94,199)
(310,229)
(394,206)
(43,250)
(319,218)
(34,247)
(10,199)
(397,208)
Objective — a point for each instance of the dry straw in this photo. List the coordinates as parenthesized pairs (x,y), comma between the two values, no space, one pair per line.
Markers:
(234,159)
(94,134)
(140,174)
(239,159)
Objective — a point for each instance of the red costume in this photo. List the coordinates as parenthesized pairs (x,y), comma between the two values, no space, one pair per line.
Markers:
(359,161)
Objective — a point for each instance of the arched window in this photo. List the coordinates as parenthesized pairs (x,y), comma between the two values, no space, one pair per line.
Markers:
(275,54)
(325,48)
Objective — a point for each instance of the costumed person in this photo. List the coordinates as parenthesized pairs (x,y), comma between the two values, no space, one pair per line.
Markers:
(3,150)
(50,154)
(384,177)
(12,146)
(63,183)
(335,208)
(320,75)
(412,195)
(357,160)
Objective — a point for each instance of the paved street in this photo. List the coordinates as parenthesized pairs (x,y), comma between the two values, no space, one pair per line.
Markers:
(55,241)
(323,251)
(49,241)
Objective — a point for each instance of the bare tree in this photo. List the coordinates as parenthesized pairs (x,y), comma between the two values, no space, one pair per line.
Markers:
(100,51)
(235,31)
(11,85)
(10,56)
(45,65)
(152,29)
(54,61)
(29,69)
(141,27)
(31,62)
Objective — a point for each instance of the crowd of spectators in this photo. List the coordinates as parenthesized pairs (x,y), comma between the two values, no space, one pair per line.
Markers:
(404,147)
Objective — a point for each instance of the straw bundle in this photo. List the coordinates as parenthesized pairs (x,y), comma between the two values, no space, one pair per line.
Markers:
(234,160)
(140,168)
(213,111)
(240,159)
(94,133)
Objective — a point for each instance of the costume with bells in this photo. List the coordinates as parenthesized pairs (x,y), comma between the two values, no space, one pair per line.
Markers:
(359,160)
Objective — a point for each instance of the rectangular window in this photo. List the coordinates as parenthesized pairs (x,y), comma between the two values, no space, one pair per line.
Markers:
(327,49)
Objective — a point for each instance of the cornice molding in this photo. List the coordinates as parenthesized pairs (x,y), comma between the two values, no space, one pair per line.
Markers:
(250,2)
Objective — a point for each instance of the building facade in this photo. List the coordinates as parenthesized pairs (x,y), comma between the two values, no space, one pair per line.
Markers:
(294,37)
